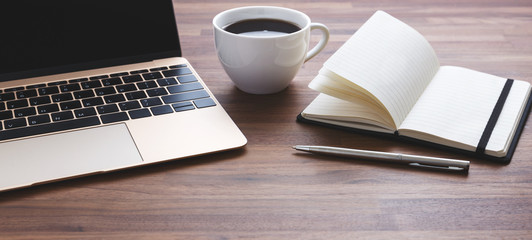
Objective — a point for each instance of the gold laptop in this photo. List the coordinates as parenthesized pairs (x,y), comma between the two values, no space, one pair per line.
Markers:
(94,86)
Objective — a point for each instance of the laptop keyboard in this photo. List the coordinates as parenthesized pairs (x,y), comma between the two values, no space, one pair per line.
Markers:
(77,103)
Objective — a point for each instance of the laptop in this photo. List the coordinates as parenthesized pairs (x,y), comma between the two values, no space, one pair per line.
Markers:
(89,87)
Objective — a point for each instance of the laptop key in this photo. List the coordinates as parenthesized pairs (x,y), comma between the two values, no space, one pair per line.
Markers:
(180,97)
(83,94)
(139,71)
(178,66)
(187,79)
(36,86)
(126,88)
(167,81)
(84,112)
(105,91)
(185,87)
(27,93)
(98,77)
(77,80)
(48,90)
(132,78)
(70,105)
(119,74)
(23,112)
(205,102)
(60,116)
(91,84)
(151,102)
(160,110)
(139,113)
(57,83)
(92,101)
(176,72)
(48,108)
(14,89)
(49,128)
(111,81)
(107,109)
(114,98)
(152,75)
(14,123)
(39,119)
(70,87)
(147,84)
(124,106)
(6,115)
(156,92)
(2,106)
(158,69)
(183,106)
(7,96)
(17,104)
(136,95)
(62,97)
(40,100)
(115,117)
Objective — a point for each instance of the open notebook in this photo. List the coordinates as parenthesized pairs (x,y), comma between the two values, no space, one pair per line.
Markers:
(386,78)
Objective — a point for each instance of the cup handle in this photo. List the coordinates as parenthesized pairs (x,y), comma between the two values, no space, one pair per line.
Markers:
(323,41)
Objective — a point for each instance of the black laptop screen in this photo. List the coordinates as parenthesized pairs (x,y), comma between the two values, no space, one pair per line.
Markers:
(53,36)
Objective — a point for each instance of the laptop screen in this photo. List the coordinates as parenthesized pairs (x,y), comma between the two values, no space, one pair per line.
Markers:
(55,36)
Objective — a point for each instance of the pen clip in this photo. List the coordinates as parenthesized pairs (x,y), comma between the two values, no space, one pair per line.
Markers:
(452,168)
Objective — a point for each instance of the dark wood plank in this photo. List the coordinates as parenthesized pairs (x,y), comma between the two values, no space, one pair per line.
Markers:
(267,191)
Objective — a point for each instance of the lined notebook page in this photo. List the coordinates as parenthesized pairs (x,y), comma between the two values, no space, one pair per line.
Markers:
(390,60)
(457,105)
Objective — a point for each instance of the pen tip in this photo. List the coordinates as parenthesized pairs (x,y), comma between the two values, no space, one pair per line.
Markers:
(301,148)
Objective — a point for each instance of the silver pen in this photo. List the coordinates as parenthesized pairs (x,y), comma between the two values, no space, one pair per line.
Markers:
(412,160)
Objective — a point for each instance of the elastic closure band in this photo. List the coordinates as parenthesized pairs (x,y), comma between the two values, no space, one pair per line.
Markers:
(484,139)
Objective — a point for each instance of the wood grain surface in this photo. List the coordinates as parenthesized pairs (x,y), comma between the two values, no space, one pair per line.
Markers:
(268,191)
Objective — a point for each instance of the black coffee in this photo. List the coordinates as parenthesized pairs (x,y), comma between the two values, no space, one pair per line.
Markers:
(262,27)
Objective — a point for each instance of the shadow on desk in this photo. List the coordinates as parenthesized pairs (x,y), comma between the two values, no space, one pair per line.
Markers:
(381,164)
(239,103)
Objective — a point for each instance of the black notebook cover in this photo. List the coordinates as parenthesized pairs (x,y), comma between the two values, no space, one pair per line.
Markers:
(506,159)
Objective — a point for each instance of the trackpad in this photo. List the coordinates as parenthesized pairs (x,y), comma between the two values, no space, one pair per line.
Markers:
(64,155)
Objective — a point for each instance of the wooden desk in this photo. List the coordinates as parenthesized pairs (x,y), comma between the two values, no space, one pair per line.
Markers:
(268,191)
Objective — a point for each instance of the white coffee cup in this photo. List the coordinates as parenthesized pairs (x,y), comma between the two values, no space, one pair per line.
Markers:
(265,63)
